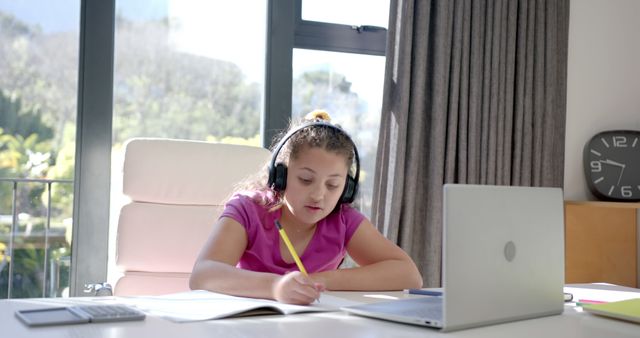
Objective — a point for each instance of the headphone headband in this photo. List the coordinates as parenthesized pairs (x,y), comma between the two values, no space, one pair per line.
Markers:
(278,183)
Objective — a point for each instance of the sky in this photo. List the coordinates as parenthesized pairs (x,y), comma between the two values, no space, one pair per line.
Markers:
(52,16)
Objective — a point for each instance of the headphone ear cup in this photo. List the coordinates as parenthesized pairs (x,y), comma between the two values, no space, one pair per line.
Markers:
(350,189)
(279,182)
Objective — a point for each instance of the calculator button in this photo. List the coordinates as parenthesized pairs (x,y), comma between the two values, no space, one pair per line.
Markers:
(107,313)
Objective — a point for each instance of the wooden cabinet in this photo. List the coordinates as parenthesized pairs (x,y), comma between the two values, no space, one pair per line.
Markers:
(601,242)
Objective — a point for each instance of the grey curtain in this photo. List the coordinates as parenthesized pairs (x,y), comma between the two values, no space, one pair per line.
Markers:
(475,92)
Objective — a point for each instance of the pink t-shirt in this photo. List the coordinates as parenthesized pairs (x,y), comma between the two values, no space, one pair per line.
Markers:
(324,252)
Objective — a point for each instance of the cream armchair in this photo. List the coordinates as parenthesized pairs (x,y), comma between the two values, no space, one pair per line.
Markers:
(177,190)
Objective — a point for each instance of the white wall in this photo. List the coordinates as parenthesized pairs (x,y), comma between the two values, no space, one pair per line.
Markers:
(603,85)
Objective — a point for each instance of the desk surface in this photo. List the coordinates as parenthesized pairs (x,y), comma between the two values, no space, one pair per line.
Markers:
(572,323)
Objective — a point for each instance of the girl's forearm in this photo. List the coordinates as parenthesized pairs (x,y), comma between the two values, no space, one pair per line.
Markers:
(224,278)
(382,276)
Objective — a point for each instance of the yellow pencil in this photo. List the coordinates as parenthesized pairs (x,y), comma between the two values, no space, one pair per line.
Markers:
(291,248)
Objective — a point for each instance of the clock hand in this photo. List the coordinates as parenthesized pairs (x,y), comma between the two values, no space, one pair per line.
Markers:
(617,164)
(608,161)
(620,177)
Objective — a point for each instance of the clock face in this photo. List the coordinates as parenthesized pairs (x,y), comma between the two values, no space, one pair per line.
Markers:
(612,165)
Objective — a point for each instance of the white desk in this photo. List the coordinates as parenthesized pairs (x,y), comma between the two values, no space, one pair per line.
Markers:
(572,323)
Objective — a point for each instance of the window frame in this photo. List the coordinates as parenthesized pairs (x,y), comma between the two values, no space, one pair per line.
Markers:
(92,177)
(369,40)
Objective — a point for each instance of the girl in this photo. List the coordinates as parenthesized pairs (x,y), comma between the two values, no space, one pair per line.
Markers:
(309,196)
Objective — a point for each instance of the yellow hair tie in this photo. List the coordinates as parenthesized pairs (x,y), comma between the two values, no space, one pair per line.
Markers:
(318,115)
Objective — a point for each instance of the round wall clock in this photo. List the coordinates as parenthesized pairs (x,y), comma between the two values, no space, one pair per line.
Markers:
(612,165)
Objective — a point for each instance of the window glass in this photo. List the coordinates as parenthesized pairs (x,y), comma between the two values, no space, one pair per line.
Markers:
(351,12)
(186,69)
(38,106)
(349,87)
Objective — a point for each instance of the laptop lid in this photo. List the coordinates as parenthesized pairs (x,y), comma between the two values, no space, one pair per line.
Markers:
(503,254)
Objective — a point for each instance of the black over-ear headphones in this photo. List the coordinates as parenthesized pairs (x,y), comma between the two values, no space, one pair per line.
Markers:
(278,172)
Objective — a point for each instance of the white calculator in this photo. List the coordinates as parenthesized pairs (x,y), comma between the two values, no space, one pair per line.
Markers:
(79,314)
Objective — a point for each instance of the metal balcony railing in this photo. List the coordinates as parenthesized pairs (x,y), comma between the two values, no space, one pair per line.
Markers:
(8,256)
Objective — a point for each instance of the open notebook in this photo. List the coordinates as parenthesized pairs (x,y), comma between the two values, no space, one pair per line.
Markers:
(204,305)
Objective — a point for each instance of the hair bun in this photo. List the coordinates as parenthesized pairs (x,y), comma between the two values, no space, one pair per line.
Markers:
(318,115)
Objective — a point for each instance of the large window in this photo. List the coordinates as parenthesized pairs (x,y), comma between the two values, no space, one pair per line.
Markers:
(38,107)
(228,71)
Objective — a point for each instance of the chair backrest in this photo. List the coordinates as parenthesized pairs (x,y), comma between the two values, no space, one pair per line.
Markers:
(177,190)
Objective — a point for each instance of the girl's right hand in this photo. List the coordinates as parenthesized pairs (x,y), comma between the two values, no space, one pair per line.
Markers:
(296,288)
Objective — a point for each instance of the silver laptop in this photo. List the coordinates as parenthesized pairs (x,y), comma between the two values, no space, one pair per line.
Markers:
(503,260)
